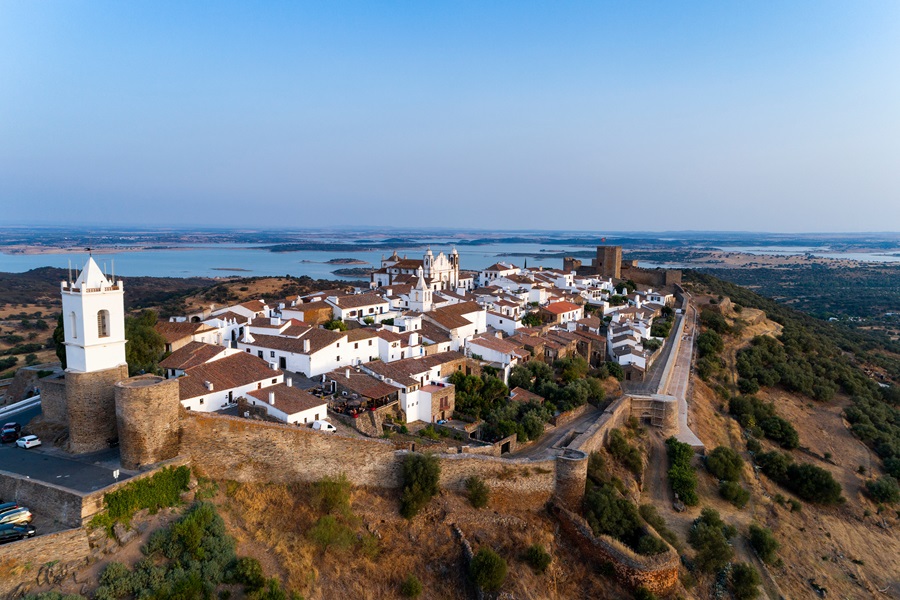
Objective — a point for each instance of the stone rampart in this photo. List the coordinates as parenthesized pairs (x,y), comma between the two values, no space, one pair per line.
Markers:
(91,408)
(595,436)
(571,477)
(61,504)
(658,573)
(569,415)
(529,483)
(53,400)
(43,559)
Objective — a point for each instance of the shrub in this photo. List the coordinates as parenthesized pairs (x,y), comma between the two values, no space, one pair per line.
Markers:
(813,484)
(411,587)
(744,581)
(478,491)
(884,489)
(774,464)
(162,490)
(331,495)
(538,558)
(624,452)
(421,473)
(248,572)
(709,537)
(648,545)
(763,542)
(328,533)
(734,493)
(488,570)
(653,518)
(709,343)
(643,593)
(725,463)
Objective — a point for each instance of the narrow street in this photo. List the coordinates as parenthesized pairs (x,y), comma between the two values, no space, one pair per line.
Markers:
(543,448)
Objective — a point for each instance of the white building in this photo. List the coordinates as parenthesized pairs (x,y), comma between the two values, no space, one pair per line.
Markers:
(218,384)
(93,321)
(289,404)
(440,272)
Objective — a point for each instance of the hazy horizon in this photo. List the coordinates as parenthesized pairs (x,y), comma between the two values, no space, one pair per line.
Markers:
(635,117)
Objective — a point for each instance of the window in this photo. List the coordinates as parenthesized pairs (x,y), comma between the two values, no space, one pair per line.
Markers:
(271,353)
(356,346)
(259,353)
(248,350)
(103,323)
(370,342)
(201,400)
(74,323)
(274,381)
(337,358)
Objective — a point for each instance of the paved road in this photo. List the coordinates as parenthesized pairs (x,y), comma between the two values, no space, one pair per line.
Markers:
(84,473)
(543,448)
(651,385)
(680,378)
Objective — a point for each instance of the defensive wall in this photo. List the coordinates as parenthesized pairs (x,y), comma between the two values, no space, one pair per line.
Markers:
(658,573)
(47,559)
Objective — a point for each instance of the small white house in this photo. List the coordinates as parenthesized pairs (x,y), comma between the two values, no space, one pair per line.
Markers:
(289,404)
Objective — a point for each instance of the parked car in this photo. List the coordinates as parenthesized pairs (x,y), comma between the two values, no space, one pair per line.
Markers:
(10,432)
(11,533)
(324,426)
(8,506)
(29,441)
(16,516)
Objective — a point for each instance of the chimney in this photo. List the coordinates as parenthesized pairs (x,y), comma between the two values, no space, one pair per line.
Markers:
(276,321)
(306,346)
(288,381)
(272,398)
(208,385)
(347,373)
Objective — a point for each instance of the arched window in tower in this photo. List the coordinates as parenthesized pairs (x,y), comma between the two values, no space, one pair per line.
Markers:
(73,324)
(103,323)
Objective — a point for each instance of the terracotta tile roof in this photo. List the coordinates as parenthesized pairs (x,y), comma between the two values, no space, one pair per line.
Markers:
(389,336)
(288,399)
(264,322)
(434,333)
(558,308)
(592,322)
(403,370)
(226,373)
(407,263)
(359,300)
(230,316)
(318,339)
(500,267)
(494,343)
(361,333)
(177,331)
(451,317)
(361,383)
(254,305)
(191,355)
(522,395)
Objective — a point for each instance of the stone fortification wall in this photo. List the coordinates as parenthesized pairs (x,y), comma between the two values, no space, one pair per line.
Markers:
(61,504)
(91,408)
(148,416)
(529,483)
(662,411)
(53,400)
(569,415)
(658,573)
(25,383)
(255,451)
(595,436)
(655,278)
(39,560)
(571,477)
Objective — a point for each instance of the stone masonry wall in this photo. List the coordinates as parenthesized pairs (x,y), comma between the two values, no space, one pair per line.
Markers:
(595,436)
(40,559)
(148,415)
(249,451)
(658,573)
(91,408)
(92,503)
(529,483)
(53,400)
(44,498)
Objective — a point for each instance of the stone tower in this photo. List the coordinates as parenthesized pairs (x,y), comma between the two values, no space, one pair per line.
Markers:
(609,261)
(94,326)
(149,420)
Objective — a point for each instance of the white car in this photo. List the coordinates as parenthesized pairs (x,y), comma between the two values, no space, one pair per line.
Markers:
(29,441)
(324,426)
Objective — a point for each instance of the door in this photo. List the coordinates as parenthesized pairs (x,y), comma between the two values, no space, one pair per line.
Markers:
(282,363)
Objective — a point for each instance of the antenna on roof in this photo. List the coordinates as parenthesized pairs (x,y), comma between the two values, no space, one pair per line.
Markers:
(113,261)
(70,271)
(88,251)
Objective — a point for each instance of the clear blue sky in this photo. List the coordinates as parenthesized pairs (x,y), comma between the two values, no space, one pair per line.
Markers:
(751,115)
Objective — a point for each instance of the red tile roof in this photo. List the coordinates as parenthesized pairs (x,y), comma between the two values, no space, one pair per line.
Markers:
(558,308)
(226,373)
(191,355)
(289,399)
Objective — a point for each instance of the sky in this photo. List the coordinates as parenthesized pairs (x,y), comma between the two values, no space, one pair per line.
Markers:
(767,115)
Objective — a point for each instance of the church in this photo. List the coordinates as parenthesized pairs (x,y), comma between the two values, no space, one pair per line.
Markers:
(439,272)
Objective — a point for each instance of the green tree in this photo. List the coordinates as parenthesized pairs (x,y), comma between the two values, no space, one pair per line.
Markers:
(884,489)
(725,463)
(532,319)
(488,569)
(744,581)
(763,542)
(411,587)
(145,345)
(478,491)
(538,558)
(59,337)
(709,537)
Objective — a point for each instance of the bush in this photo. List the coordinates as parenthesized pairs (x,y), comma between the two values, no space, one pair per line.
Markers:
(331,495)
(328,533)
(763,542)
(248,572)
(734,493)
(643,593)
(653,518)
(538,558)
(478,491)
(162,490)
(813,484)
(709,343)
(411,587)
(884,489)
(648,545)
(725,463)
(488,570)
(709,537)
(775,465)
(624,452)
(421,473)
(744,581)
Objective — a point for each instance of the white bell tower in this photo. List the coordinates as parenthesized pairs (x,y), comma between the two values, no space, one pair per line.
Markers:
(93,321)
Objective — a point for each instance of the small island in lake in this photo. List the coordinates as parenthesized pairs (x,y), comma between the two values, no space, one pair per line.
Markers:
(346,261)
(354,272)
